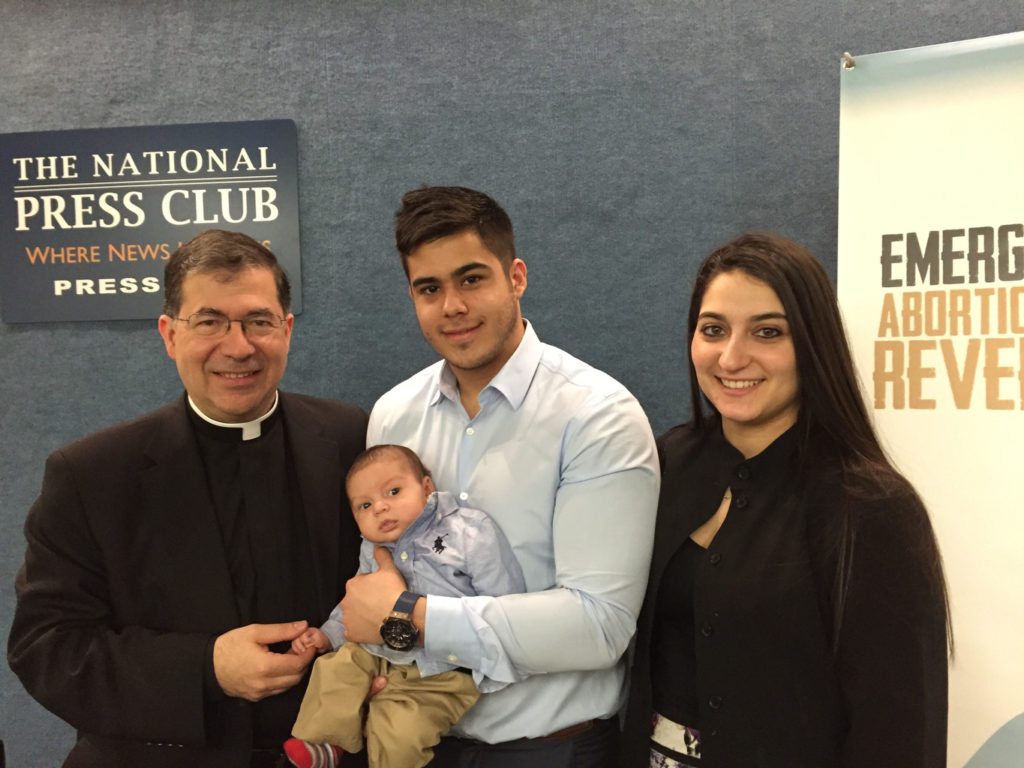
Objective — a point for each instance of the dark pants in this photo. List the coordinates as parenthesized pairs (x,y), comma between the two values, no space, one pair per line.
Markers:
(596,747)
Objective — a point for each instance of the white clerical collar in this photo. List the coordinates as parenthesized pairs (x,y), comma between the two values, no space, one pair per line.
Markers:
(250,429)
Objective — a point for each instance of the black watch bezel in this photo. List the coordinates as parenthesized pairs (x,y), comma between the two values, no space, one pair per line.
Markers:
(398,631)
(399,634)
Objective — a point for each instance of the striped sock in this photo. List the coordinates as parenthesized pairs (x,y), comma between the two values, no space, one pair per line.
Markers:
(306,754)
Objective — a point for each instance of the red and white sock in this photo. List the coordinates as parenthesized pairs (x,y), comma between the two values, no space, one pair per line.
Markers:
(306,754)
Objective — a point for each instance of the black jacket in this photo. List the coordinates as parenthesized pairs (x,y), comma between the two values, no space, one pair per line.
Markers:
(125,582)
(772,692)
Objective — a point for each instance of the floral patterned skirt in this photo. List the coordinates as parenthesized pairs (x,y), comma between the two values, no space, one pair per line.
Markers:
(673,745)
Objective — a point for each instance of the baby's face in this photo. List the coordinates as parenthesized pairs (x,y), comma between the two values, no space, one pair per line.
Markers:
(386,497)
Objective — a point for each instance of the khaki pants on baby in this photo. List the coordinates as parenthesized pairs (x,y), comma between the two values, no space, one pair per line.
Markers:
(403,721)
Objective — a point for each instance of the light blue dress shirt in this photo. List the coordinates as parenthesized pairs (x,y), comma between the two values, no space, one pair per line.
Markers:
(448,550)
(562,457)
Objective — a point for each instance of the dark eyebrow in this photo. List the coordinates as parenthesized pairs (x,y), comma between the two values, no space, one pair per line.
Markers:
(755,318)
(423,281)
(473,265)
(212,311)
(465,268)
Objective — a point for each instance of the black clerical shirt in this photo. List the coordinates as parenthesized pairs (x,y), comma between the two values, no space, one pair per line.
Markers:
(255,493)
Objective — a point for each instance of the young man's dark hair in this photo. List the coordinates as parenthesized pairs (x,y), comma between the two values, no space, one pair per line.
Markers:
(430,213)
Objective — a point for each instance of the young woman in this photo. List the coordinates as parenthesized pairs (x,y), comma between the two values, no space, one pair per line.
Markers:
(796,613)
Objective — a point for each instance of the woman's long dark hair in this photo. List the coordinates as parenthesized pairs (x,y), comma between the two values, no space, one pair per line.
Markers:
(830,399)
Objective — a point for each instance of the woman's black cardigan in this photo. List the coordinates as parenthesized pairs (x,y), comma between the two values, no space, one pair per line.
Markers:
(772,690)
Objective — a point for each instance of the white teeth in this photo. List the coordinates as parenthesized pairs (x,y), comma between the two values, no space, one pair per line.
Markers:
(738,384)
(236,375)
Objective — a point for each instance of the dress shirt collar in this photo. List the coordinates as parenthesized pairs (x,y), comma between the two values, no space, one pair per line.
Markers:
(250,430)
(512,381)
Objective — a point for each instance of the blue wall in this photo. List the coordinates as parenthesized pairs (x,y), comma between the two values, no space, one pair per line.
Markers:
(625,140)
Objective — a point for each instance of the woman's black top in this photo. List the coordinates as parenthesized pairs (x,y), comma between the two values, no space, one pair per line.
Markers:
(673,655)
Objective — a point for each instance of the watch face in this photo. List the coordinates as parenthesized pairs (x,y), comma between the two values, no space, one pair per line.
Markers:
(399,634)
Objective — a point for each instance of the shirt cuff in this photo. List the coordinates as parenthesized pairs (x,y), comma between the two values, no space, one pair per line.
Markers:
(455,632)
(448,633)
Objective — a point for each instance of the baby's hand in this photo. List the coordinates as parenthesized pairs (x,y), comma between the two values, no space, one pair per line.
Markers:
(311,639)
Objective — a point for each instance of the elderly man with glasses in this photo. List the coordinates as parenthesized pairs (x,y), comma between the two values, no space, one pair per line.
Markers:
(172,559)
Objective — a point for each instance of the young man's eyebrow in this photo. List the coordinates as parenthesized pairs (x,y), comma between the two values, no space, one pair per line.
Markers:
(473,265)
(423,281)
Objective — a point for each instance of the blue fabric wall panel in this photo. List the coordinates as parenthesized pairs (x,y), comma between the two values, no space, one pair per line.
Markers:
(625,140)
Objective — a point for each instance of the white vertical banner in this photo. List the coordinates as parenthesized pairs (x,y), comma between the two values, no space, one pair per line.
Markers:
(931,283)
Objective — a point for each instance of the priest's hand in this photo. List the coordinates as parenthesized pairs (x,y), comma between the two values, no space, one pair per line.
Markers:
(246,668)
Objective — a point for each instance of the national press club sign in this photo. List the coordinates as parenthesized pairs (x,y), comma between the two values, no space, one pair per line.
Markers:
(90,217)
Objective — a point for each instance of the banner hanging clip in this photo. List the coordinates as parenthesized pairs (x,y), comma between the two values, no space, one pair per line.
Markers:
(848,62)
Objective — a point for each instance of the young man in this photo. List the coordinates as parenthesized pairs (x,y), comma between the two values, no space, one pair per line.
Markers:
(160,573)
(560,455)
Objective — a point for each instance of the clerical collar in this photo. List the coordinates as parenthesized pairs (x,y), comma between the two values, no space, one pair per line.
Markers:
(250,429)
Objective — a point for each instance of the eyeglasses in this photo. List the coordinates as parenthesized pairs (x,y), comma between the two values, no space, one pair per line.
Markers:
(255,325)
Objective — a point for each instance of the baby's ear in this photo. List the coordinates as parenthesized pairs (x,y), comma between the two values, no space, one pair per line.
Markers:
(428,486)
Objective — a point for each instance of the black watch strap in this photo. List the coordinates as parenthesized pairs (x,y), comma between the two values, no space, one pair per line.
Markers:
(406,602)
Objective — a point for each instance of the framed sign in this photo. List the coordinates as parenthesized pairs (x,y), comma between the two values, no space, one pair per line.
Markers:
(90,217)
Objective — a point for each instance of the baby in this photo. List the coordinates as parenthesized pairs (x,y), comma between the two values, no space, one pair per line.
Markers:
(439,548)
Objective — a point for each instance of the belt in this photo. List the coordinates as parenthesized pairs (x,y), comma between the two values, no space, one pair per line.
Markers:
(569,732)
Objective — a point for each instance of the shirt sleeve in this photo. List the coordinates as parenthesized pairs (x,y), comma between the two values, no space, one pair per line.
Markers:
(602,534)
(375,427)
(334,627)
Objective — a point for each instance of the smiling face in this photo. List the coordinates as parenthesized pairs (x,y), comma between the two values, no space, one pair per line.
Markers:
(743,356)
(386,497)
(231,378)
(467,305)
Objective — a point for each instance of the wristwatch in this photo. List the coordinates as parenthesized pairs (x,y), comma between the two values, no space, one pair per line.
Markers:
(398,631)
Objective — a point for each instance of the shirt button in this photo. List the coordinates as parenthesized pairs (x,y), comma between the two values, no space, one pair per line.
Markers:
(743,473)
(452,658)
(716,558)
(715,702)
(707,629)
(463,495)
(404,556)
(469,430)
(740,502)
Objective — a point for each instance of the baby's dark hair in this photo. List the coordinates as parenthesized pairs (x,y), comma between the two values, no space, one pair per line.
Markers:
(387,451)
